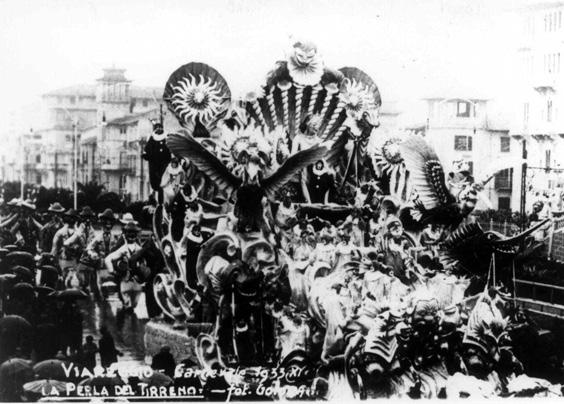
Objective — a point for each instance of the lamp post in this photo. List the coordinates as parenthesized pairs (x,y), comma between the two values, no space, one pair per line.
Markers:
(74,153)
(74,161)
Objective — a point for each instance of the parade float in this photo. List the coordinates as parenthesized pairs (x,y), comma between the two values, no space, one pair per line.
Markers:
(343,260)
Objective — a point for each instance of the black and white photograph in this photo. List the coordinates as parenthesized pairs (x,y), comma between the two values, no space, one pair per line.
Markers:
(267,200)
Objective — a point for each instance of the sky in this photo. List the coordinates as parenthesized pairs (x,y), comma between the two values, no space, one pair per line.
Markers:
(411,48)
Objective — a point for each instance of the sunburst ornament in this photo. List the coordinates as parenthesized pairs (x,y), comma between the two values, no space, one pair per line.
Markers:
(197,92)
(304,64)
(358,98)
(197,98)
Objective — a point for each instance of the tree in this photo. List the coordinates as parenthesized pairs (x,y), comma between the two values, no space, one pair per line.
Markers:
(109,200)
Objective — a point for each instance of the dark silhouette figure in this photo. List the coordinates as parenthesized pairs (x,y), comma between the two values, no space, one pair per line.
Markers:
(89,350)
(164,362)
(108,351)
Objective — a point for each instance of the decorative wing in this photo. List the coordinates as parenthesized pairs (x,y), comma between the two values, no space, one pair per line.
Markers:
(190,148)
(196,92)
(337,150)
(291,167)
(426,172)
(496,166)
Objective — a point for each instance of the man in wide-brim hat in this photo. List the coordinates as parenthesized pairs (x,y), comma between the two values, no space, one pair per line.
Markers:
(13,207)
(130,289)
(65,251)
(27,227)
(101,246)
(107,216)
(83,237)
(56,207)
(86,213)
(48,231)
(127,218)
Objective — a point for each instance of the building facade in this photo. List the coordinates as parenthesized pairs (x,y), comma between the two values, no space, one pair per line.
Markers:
(111,153)
(539,105)
(68,117)
(468,129)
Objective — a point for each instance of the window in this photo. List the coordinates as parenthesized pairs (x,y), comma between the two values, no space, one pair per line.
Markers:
(504,203)
(463,143)
(38,158)
(505,144)
(73,100)
(145,103)
(38,179)
(547,160)
(549,111)
(463,109)
(123,130)
(503,180)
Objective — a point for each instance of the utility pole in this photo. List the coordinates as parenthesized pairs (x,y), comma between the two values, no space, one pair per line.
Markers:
(523,210)
(74,160)
(56,168)
(142,174)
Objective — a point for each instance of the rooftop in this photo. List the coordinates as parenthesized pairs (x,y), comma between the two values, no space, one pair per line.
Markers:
(114,74)
(124,120)
(89,90)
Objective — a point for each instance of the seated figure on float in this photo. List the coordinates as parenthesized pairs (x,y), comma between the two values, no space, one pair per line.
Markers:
(395,246)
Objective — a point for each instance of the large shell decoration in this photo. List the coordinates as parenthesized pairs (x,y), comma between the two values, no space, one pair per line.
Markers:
(360,95)
(196,92)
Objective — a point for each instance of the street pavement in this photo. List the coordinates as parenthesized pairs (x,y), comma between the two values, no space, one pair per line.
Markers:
(126,328)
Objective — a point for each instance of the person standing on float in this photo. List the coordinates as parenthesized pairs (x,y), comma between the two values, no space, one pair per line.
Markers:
(158,156)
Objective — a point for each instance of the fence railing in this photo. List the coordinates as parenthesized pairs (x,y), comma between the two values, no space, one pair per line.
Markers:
(538,291)
(506,228)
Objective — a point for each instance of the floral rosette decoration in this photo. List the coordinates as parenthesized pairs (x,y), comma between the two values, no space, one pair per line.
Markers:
(387,161)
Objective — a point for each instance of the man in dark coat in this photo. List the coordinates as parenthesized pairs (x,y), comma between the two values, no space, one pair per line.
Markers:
(164,362)
(108,351)
(158,155)
(89,350)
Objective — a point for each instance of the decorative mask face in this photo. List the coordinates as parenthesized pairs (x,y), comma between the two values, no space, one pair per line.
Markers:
(304,53)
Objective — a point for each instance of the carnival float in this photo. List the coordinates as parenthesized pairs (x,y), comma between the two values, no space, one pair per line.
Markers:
(308,240)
